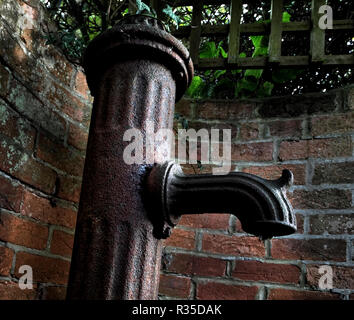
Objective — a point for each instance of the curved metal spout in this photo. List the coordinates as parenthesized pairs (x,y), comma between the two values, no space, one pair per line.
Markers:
(261,205)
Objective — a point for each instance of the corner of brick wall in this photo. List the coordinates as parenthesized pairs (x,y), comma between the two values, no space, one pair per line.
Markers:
(45,111)
(210,257)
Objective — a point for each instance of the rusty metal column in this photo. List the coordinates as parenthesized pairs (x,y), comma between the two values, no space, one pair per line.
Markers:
(135,71)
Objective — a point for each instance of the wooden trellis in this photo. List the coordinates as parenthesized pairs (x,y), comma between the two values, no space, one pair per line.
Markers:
(274,29)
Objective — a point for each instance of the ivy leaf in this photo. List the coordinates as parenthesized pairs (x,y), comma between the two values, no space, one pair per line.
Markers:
(209,50)
(286,16)
(142,7)
(196,87)
(169,12)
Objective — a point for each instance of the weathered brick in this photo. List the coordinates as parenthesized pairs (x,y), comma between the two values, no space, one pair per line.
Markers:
(343,277)
(294,106)
(16,128)
(212,110)
(182,239)
(11,291)
(62,243)
(285,294)
(11,194)
(4,81)
(193,265)
(22,232)
(321,199)
(317,148)
(331,223)
(197,125)
(309,249)
(30,107)
(249,131)
(183,108)
(333,124)
(286,128)
(274,172)
(351,99)
(220,291)
(241,110)
(232,245)
(25,168)
(66,102)
(69,188)
(334,173)
(60,157)
(81,86)
(259,151)
(54,293)
(48,212)
(174,286)
(270,272)
(77,137)
(209,221)
(61,68)
(45,269)
(6,257)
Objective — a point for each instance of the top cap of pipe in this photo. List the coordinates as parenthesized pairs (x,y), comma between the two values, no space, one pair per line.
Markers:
(138,37)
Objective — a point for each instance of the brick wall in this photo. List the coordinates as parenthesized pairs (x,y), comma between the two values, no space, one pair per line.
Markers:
(210,257)
(44,119)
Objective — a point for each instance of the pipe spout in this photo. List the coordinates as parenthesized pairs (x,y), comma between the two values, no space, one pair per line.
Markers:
(261,205)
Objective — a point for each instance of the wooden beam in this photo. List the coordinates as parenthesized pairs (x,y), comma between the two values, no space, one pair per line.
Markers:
(234,32)
(317,41)
(274,47)
(196,31)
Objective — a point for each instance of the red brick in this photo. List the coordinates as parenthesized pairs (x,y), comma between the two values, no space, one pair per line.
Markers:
(194,265)
(25,168)
(6,257)
(285,294)
(212,110)
(249,131)
(333,124)
(81,86)
(334,173)
(43,210)
(22,232)
(232,245)
(270,272)
(332,224)
(62,243)
(77,137)
(11,194)
(17,129)
(174,286)
(215,221)
(286,128)
(47,270)
(182,239)
(220,291)
(260,151)
(11,291)
(321,199)
(54,293)
(343,277)
(240,110)
(66,102)
(183,108)
(60,157)
(317,148)
(69,188)
(62,69)
(274,172)
(309,249)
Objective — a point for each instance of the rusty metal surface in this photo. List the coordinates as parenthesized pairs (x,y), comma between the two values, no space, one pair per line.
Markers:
(134,72)
(261,205)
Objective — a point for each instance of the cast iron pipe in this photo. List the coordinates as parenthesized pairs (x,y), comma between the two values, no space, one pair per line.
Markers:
(135,71)
(261,205)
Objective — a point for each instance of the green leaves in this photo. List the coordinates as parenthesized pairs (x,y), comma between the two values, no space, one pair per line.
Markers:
(168,11)
(142,7)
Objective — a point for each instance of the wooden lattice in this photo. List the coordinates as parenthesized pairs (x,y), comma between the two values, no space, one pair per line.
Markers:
(274,29)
